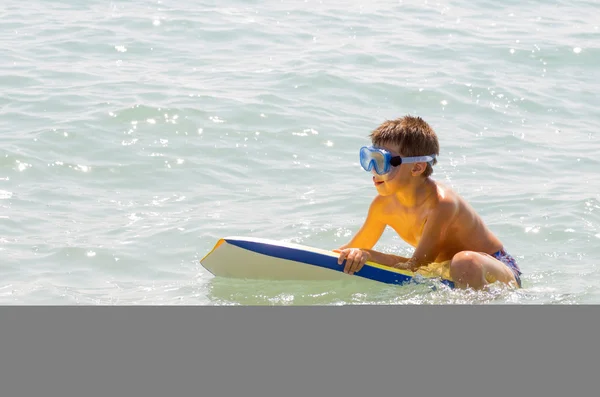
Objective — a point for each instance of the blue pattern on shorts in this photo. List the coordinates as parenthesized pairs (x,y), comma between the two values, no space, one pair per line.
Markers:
(509,261)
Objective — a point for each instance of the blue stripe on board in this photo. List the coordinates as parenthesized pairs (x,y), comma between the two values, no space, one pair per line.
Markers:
(329,262)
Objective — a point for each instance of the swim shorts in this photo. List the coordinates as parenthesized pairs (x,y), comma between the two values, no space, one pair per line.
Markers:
(509,261)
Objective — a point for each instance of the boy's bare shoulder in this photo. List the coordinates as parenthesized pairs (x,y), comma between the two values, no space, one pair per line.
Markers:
(378,205)
(446,202)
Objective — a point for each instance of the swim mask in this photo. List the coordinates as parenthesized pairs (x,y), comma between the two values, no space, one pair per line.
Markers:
(381,160)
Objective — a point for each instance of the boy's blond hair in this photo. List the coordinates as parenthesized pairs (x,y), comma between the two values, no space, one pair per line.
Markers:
(412,135)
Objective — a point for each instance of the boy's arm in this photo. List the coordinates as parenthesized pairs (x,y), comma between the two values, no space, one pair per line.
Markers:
(358,250)
(371,230)
(430,243)
(385,259)
(356,257)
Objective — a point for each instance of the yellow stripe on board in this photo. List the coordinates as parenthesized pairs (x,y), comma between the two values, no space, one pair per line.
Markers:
(391,269)
(221,241)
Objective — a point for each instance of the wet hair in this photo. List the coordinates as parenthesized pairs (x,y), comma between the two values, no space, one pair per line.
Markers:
(412,135)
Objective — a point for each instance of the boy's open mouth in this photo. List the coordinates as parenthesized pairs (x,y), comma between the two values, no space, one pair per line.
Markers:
(376,182)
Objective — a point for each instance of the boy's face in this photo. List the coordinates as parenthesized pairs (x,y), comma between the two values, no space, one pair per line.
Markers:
(398,178)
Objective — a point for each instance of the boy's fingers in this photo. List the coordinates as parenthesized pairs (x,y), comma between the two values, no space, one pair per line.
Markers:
(349,262)
(354,258)
(359,263)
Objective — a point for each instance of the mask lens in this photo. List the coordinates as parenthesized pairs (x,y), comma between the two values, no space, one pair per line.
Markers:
(372,158)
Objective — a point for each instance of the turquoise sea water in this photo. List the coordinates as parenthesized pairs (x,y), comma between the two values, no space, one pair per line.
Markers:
(134,134)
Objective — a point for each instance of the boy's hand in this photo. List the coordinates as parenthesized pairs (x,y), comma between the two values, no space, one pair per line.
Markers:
(408,265)
(355,259)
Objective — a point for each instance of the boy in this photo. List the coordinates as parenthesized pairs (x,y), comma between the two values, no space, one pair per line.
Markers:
(427,215)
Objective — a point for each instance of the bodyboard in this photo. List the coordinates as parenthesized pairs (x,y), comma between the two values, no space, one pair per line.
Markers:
(264,259)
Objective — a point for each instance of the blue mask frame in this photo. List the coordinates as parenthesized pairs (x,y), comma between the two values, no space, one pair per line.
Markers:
(381,160)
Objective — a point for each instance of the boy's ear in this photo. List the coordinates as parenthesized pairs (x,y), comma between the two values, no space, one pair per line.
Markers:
(418,168)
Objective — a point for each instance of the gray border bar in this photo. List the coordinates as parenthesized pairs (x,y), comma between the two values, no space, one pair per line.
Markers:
(300,351)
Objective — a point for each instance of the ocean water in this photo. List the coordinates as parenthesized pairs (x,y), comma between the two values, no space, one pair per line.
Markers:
(134,134)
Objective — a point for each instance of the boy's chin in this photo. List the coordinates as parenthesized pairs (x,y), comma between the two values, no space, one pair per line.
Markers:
(384,190)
